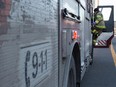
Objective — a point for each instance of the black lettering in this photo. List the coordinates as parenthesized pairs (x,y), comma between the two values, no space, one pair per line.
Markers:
(35,64)
(46,58)
(27,79)
(41,56)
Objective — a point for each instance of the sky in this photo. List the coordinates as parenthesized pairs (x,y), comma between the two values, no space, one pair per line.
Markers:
(109,2)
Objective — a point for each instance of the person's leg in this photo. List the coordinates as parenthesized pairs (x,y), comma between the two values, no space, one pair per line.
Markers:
(99,32)
(94,38)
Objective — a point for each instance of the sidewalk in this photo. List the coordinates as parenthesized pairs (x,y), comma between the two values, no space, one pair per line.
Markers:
(103,71)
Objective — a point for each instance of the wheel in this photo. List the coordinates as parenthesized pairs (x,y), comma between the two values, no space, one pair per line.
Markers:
(91,59)
(91,54)
(72,74)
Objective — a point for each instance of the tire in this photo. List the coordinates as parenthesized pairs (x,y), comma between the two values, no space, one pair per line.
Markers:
(72,74)
(91,54)
(91,59)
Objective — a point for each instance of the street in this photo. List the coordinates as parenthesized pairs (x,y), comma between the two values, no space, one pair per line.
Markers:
(103,71)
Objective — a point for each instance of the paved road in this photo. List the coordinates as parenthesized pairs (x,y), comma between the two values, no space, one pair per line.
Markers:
(114,43)
(113,49)
(103,71)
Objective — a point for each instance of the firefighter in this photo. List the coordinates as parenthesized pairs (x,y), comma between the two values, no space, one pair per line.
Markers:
(98,24)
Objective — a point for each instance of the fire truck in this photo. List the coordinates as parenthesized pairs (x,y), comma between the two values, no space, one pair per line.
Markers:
(44,43)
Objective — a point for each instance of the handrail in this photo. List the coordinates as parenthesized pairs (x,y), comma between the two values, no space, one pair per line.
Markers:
(70,16)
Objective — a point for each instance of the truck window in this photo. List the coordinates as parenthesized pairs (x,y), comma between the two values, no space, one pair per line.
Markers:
(104,11)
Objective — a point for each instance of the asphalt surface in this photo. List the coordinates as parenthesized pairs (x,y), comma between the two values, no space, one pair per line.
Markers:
(114,43)
(103,71)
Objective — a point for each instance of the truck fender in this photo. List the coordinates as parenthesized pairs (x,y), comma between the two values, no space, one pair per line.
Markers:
(68,62)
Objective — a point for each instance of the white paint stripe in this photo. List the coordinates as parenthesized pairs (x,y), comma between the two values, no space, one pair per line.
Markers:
(102,42)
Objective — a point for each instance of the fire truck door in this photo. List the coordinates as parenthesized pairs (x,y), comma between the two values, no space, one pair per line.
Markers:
(104,40)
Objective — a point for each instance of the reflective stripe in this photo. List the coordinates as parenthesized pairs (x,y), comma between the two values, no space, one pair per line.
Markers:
(94,31)
(97,21)
(99,16)
(101,27)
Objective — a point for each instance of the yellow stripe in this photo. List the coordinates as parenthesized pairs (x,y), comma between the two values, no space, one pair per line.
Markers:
(113,53)
(100,26)
(97,21)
